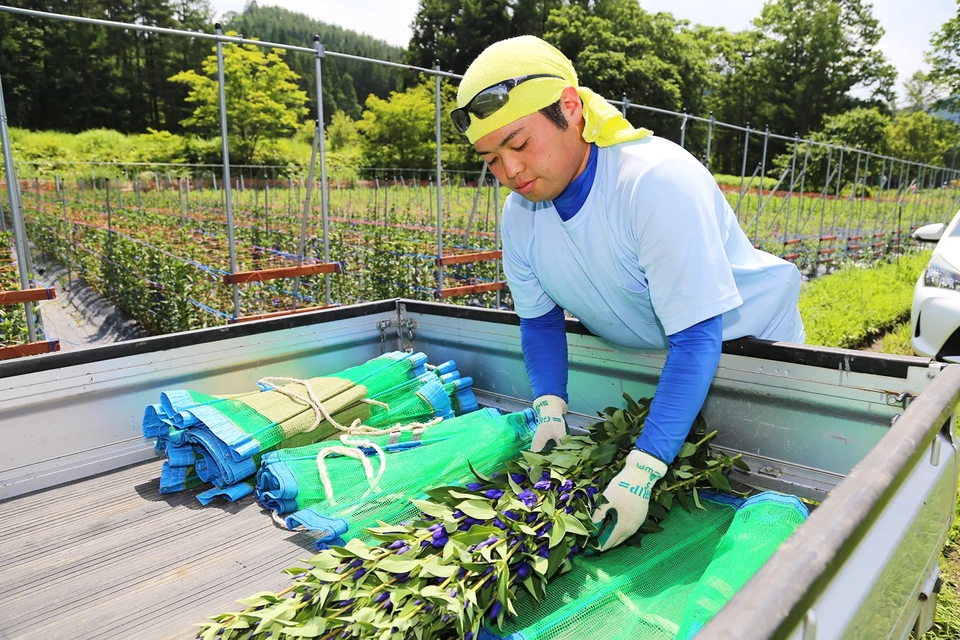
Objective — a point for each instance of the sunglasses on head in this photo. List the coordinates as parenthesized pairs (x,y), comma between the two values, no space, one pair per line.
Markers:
(490,100)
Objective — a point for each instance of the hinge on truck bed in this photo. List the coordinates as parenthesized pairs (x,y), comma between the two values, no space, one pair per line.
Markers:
(382,325)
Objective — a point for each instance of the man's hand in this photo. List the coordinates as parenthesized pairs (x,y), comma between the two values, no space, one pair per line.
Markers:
(628,498)
(551,425)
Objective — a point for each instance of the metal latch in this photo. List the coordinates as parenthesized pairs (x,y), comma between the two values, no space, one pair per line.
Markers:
(382,325)
(903,399)
(405,327)
(929,593)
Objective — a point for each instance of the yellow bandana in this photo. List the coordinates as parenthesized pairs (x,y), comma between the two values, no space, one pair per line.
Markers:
(527,55)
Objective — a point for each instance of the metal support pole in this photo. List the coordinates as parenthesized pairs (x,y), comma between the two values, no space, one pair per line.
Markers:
(19,230)
(763,167)
(683,130)
(311,173)
(324,195)
(3,218)
(476,202)
(743,166)
(66,233)
(793,181)
(226,168)
(710,139)
(436,68)
(623,107)
(183,213)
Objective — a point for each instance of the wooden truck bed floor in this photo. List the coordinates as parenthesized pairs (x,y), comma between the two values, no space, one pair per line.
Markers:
(110,557)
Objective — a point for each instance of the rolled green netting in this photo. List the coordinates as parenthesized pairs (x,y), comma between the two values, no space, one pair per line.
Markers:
(289,480)
(759,527)
(219,439)
(650,591)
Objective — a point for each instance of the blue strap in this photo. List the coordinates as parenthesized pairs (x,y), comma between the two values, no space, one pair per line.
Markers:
(692,361)
(544,344)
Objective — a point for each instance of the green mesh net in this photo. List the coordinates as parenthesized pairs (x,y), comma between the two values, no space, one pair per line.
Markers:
(289,480)
(220,439)
(667,588)
(759,527)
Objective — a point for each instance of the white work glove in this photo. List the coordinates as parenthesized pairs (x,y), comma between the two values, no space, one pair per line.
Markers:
(551,425)
(628,498)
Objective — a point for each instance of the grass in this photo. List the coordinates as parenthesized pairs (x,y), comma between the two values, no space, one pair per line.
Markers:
(848,308)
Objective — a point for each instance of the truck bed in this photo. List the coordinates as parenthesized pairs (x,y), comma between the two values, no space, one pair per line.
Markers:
(89,548)
(109,557)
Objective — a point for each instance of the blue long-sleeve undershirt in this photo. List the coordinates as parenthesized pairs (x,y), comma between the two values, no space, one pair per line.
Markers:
(692,360)
(544,344)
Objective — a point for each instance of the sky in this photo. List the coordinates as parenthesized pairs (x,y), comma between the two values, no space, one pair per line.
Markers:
(908,23)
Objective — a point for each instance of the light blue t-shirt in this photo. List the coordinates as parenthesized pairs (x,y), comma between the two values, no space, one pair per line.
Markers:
(655,249)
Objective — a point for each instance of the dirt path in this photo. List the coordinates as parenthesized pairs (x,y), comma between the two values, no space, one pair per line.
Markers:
(79,316)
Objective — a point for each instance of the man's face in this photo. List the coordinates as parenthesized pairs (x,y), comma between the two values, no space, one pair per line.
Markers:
(533,156)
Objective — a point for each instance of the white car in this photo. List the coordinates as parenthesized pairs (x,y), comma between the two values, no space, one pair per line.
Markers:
(935,316)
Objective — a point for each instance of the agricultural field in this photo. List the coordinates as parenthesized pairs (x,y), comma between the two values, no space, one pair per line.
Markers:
(156,244)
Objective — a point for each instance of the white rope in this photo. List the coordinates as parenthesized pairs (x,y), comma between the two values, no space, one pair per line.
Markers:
(357,428)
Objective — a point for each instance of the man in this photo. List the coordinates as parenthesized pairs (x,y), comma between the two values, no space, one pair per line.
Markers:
(630,234)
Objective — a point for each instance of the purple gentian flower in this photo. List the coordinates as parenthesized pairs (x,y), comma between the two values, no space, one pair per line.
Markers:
(495,610)
(396,544)
(528,497)
(567,485)
(474,486)
(523,570)
(518,477)
(542,485)
(359,574)
(493,494)
(380,597)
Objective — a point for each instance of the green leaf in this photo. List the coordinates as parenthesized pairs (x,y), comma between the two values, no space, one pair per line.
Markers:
(548,507)
(480,476)
(395,565)
(477,509)
(719,481)
(687,450)
(681,496)
(431,508)
(310,629)
(696,499)
(360,549)
(259,599)
(740,464)
(604,455)
(665,498)
(574,525)
(557,532)
(438,570)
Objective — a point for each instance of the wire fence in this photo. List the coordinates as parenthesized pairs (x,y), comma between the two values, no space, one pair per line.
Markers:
(180,245)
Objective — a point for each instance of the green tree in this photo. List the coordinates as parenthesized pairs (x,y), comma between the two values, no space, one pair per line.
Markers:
(921,92)
(72,77)
(921,137)
(944,59)
(456,31)
(262,97)
(620,49)
(399,132)
(863,129)
(812,54)
(342,132)
(343,80)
